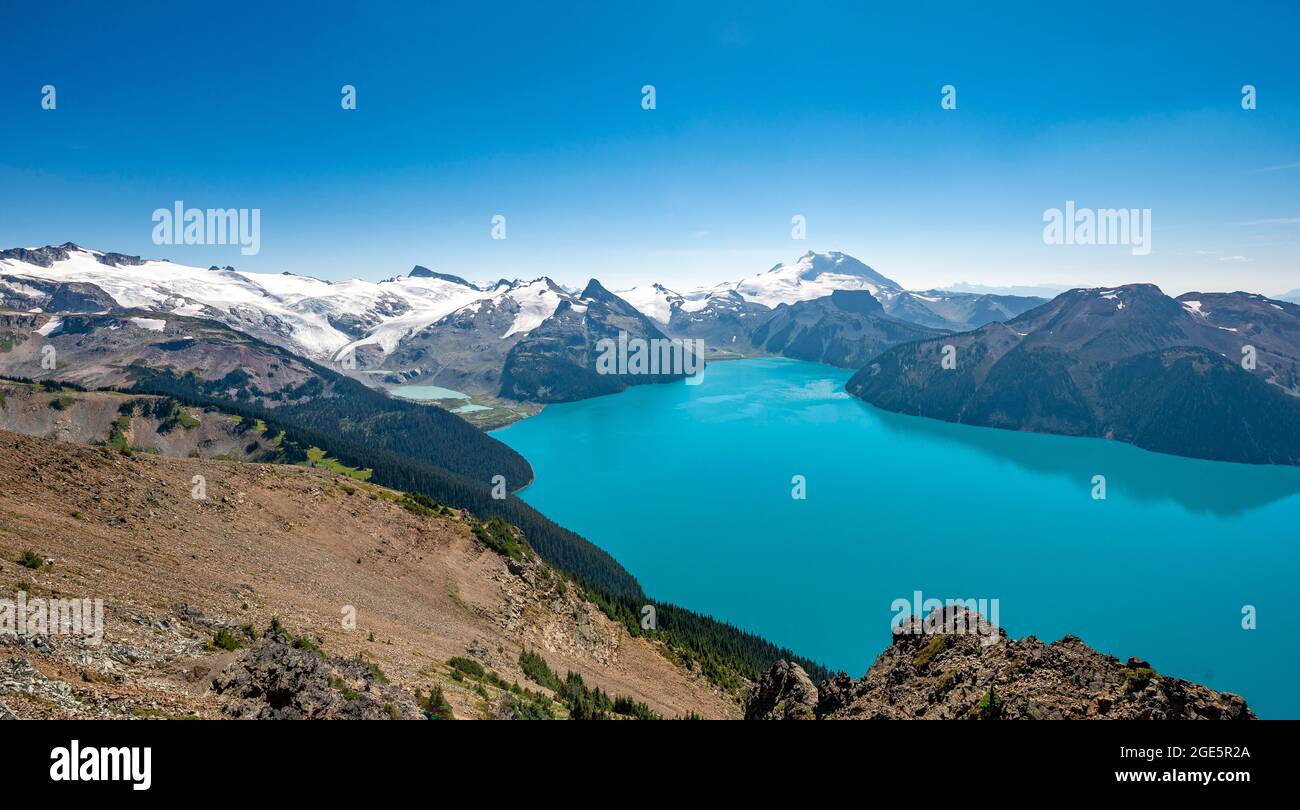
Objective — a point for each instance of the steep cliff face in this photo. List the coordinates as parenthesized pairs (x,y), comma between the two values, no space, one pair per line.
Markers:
(956,666)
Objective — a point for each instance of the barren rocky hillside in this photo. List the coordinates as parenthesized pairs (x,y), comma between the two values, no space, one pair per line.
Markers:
(237,603)
(151,424)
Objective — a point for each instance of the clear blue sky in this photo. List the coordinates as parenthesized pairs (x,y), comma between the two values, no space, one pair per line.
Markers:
(832,111)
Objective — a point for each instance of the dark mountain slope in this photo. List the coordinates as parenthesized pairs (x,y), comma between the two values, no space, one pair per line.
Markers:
(210,364)
(846,328)
(1127,363)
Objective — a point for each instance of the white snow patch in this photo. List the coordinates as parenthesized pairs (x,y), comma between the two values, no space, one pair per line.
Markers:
(152,324)
(654,301)
(537,301)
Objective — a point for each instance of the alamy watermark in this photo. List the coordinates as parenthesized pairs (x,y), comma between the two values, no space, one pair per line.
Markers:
(1100,226)
(634,356)
(26,616)
(214,226)
(77,763)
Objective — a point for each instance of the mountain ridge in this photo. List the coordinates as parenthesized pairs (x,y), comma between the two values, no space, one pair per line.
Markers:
(1097,362)
(390,332)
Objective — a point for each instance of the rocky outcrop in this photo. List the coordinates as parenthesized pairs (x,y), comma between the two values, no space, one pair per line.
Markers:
(41,257)
(955,666)
(785,692)
(119,260)
(420,271)
(282,678)
(76,296)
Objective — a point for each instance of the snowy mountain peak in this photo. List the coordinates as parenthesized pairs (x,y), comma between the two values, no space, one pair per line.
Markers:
(813,264)
(812,275)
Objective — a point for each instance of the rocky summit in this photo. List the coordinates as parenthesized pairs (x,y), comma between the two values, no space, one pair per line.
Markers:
(954,666)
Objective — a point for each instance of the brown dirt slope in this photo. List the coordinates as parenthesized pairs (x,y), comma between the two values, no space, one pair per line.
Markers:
(303,546)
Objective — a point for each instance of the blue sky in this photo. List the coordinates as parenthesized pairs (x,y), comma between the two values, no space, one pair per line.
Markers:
(831,111)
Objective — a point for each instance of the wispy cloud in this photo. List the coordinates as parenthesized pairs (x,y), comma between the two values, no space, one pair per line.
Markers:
(1233,259)
(1281,167)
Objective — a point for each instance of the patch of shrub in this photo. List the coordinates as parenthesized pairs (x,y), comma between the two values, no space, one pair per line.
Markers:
(435,706)
(346,691)
(467,666)
(223,639)
(376,674)
(1135,680)
(930,650)
(989,706)
(499,535)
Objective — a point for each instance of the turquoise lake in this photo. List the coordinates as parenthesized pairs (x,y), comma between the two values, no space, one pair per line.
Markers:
(689,487)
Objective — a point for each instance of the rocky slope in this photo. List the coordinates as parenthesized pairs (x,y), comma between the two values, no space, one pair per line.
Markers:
(1127,363)
(933,672)
(112,350)
(126,422)
(204,362)
(237,603)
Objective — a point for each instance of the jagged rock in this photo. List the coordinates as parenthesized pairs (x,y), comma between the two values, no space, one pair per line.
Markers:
(278,679)
(76,296)
(41,257)
(118,259)
(419,271)
(785,692)
(954,665)
(19,677)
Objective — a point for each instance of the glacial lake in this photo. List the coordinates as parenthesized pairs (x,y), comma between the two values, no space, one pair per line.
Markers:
(426,392)
(689,487)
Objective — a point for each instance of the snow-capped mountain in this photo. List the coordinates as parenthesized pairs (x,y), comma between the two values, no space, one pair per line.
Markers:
(813,275)
(312,317)
(817,275)
(442,330)
(656,301)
